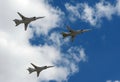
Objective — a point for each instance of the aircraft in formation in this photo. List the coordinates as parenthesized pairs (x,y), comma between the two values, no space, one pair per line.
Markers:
(25,20)
(70,32)
(37,69)
(73,33)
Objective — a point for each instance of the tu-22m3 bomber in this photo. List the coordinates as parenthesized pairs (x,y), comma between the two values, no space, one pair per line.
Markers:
(25,20)
(73,33)
(37,69)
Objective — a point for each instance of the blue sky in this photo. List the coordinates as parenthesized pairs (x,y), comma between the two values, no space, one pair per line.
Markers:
(103,54)
(102,46)
(94,56)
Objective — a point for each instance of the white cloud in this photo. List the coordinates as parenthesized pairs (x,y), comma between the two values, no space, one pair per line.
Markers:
(117,7)
(73,10)
(112,81)
(116,81)
(16,53)
(31,8)
(105,9)
(88,14)
(79,57)
(15,58)
(108,81)
(57,39)
(94,15)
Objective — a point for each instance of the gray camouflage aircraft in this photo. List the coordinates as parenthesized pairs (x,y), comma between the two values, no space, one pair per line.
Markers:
(37,69)
(25,20)
(73,33)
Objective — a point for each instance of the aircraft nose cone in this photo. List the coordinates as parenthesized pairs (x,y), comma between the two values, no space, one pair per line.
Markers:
(39,17)
(50,66)
(88,29)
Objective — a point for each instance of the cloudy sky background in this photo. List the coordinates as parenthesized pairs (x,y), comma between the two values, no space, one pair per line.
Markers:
(42,43)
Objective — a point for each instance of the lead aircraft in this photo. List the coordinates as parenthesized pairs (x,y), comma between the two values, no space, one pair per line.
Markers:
(25,20)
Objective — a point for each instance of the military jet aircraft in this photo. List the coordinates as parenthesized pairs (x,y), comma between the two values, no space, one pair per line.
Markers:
(25,20)
(37,69)
(73,33)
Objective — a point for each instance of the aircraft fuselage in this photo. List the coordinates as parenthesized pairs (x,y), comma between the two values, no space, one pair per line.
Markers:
(26,20)
(39,69)
(73,33)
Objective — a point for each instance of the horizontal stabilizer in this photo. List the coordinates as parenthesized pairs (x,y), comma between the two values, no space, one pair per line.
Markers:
(64,34)
(30,70)
(17,22)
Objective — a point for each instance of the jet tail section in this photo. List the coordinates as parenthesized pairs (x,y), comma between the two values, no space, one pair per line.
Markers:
(64,34)
(17,22)
(30,70)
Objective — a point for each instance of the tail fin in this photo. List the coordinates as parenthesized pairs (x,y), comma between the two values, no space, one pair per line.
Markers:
(17,22)
(30,70)
(64,34)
